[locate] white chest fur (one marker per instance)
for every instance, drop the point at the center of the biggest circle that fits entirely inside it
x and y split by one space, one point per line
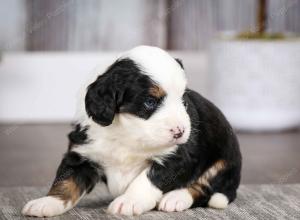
120 165
118 179
122 158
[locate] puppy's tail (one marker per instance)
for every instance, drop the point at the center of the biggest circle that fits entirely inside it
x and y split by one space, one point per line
218 201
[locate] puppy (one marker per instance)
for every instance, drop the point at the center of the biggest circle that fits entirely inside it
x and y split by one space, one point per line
150 139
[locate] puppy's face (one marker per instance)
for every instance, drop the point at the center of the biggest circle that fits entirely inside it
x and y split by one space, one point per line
142 93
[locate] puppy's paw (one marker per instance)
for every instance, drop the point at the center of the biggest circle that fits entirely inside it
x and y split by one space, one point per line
130 205
45 207
176 201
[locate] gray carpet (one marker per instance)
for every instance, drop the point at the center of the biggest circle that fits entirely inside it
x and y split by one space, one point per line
253 202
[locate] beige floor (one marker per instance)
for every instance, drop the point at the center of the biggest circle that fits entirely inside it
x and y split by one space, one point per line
30 154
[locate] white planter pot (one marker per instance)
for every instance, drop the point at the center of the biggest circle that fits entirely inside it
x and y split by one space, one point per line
256 83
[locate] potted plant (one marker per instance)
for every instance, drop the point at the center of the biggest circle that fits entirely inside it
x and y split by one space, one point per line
255 77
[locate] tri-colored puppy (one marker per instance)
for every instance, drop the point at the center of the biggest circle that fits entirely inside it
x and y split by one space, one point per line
153 141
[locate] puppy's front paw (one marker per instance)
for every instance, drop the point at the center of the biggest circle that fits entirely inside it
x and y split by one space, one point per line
175 201
45 207
130 205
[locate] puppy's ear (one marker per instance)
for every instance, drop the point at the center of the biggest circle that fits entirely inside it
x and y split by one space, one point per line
101 99
179 61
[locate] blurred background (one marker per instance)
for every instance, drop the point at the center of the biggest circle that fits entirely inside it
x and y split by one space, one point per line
242 54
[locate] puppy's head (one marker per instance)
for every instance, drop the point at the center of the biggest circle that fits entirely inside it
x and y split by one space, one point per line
142 93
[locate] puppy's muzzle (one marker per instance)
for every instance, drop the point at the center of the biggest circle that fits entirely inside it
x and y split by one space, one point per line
177 133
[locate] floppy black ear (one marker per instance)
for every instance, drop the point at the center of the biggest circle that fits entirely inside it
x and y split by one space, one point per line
179 61
100 100
105 96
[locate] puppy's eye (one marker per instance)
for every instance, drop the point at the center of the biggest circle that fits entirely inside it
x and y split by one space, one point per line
150 103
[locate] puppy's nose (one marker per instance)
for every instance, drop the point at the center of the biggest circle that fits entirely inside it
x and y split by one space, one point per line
177 133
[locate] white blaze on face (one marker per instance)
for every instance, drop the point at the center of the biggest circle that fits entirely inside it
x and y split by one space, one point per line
164 70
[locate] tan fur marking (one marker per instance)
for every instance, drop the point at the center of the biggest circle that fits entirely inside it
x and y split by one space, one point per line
195 193
196 188
157 91
66 190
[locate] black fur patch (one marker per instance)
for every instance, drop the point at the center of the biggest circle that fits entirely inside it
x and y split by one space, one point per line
179 61
83 172
122 88
211 139
78 136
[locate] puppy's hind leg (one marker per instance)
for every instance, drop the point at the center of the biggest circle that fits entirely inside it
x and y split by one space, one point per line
75 177
217 186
